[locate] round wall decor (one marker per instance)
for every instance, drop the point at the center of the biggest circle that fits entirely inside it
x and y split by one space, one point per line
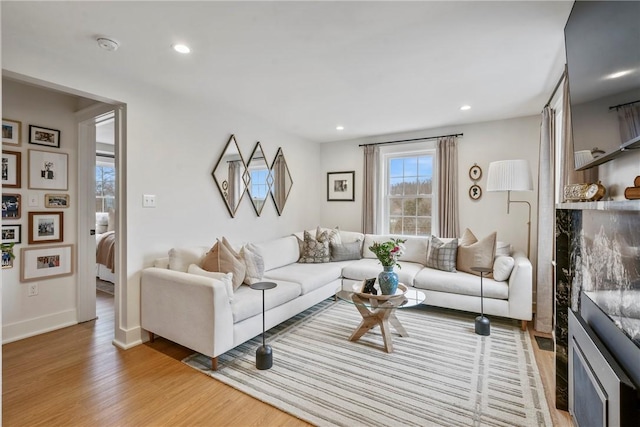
475 173
475 192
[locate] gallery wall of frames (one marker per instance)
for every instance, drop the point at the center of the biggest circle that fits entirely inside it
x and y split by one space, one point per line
44 166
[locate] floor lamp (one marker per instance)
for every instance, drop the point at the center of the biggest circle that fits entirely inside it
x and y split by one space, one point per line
512 175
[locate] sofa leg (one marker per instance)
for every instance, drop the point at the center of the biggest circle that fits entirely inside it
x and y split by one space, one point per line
214 363
523 325
152 337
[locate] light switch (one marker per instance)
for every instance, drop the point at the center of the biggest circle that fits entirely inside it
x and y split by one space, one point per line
149 201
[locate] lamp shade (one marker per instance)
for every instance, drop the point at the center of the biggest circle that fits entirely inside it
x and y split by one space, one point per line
509 175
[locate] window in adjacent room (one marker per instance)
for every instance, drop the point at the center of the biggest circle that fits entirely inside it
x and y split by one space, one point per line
105 184
409 190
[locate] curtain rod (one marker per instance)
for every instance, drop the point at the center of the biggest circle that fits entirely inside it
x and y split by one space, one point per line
410 140
556 88
624 105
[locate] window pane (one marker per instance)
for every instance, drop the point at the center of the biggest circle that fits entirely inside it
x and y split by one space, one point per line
395 168
425 166
410 166
395 206
423 226
395 225
396 186
424 207
409 207
409 225
425 186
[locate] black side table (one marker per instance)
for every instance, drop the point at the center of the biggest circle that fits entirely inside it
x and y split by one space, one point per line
483 325
264 354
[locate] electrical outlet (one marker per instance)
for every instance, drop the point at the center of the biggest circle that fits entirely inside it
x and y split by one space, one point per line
32 290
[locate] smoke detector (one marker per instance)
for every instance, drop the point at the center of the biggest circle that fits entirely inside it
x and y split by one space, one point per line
108 44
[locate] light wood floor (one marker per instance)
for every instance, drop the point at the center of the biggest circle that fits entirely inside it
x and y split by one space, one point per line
76 377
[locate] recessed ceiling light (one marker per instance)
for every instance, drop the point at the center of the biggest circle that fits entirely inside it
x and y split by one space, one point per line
465 107
618 74
339 127
181 48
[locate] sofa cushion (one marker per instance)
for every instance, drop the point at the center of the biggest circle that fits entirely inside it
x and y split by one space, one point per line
309 276
351 236
345 251
226 278
224 259
279 252
502 268
247 302
333 235
415 248
476 253
503 249
368 268
253 262
442 256
181 258
460 283
315 251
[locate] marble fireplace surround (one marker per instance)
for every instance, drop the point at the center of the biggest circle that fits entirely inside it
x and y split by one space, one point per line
597 251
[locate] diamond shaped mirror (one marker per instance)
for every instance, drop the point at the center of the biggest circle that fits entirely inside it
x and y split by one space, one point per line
259 183
230 175
282 182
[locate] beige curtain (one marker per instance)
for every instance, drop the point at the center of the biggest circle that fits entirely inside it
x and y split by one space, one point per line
629 121
448 212
370 186
546 223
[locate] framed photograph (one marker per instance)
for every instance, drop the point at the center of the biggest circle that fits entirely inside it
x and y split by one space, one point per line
46 262
44 136
11 169
340 186
475 172
47 170
11 233
7 255
46 227
475 192
11 206
11 132
56 200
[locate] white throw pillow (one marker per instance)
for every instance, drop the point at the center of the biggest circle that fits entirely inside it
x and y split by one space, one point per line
502 268
503 249
111 220
226 278
180 258
254 263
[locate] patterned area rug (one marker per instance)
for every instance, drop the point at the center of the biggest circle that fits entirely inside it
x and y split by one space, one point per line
443 374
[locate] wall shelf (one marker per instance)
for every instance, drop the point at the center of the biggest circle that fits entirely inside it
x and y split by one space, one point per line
608 205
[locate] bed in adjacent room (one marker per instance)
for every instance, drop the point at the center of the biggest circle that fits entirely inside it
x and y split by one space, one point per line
105 246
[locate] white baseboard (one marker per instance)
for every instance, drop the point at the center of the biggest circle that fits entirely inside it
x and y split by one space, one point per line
38 325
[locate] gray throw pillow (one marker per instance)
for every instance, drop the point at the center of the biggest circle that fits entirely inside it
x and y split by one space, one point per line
345 251
442 256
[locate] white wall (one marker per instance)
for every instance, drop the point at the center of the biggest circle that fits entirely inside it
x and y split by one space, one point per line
619 174
482 143
55 304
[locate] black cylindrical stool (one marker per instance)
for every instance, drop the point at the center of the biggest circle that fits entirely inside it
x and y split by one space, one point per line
264 354
483 325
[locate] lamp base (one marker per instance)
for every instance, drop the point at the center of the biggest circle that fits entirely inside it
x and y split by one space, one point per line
483 326
264 357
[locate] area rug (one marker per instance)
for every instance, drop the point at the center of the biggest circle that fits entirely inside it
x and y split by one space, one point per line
443 374
104 286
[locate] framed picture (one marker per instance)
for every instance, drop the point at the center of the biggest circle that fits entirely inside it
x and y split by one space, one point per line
11 233
340 186
46 262
11 132
47 170
475 172
475 192
11 206
7 255
56 200
46 227
11 169
44 136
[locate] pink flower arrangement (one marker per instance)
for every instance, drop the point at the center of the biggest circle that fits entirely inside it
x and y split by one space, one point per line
388 252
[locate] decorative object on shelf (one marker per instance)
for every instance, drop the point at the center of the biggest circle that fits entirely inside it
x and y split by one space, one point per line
584 192
230 175
11 233
56 200
46 262
46 227
47 170
483 324
475 192
282 182
11 169
44 136
633 193
11 206
11 132
7 253
260 180
264 353
340 186
512 175
475 172
388 254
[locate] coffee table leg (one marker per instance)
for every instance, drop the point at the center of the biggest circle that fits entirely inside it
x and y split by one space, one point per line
397 325
369 321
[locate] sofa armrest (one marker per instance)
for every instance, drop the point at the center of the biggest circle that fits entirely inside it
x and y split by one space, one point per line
193 311
521 288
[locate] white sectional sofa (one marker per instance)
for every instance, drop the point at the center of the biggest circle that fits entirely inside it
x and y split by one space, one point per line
203 314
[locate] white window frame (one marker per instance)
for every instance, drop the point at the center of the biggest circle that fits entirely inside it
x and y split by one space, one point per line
404 150
105 160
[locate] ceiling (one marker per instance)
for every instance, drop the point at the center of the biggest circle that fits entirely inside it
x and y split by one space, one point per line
305 67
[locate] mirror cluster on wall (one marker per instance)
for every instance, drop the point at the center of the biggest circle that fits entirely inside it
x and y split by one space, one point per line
257 178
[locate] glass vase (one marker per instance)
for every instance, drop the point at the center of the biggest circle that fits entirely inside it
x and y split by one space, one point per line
388 281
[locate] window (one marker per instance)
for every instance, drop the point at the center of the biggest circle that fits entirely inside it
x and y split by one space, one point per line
105 186
408 193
